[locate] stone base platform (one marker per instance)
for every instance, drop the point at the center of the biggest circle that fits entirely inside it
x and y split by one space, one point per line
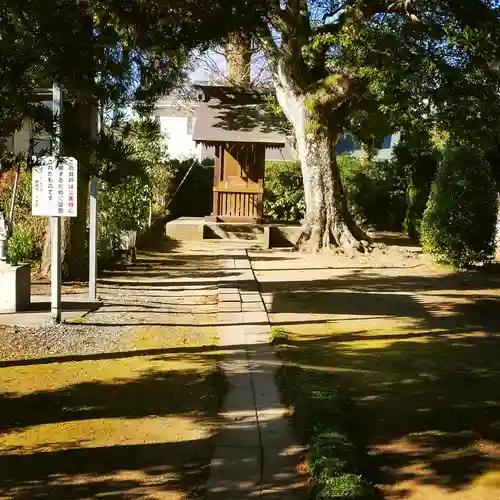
238 234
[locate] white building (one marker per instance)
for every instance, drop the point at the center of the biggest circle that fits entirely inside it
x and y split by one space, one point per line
177 122
176 115
19 142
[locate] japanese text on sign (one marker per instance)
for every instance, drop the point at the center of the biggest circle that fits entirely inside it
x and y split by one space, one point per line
55 187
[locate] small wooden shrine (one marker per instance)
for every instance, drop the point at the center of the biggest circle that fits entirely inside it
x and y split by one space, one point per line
235 123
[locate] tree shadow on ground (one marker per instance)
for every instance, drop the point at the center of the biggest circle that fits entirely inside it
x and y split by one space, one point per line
123 466
65 469
420 360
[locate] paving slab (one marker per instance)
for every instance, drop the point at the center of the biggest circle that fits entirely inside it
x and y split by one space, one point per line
235 474
281 478
252 457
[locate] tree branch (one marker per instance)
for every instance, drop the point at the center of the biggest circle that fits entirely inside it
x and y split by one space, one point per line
267 43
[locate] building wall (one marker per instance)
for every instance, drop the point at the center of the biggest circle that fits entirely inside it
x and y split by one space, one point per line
349 145
180 144
20 141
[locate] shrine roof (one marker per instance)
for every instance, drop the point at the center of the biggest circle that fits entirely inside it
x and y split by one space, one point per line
231 114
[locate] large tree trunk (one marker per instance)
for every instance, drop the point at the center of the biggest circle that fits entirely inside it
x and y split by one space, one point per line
77 131
328 222
239 57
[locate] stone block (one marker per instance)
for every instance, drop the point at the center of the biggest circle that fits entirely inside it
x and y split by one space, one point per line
253 307
15 288
227 307
284 235
185 229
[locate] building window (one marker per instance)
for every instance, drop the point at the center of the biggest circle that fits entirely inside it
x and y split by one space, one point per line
190 125
387 142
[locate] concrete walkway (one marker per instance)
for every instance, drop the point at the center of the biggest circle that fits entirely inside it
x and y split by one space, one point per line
192 293
256 454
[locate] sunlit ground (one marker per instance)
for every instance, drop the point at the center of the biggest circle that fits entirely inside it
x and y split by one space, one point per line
128 425
417 350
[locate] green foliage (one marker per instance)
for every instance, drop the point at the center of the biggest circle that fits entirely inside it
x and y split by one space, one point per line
284 192
122 207
194 198
278 335
417 156
375 192
21 248
125 207
458 227
26 226
321 417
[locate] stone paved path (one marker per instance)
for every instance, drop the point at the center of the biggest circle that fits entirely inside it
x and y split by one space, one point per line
256 455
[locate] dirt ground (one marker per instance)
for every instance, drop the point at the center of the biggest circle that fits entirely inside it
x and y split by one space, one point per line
417 349
123 403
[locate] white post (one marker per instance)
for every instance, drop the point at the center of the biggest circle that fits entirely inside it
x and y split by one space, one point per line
93 240
55 222
93 222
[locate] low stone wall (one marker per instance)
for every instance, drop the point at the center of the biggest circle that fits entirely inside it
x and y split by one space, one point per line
15 288
254 235
283 236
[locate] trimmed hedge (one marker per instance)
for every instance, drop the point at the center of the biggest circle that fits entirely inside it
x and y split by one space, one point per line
375 192
458 226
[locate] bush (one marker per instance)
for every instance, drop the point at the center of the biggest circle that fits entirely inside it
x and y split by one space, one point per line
418 158
284 192
122 207
322 418
26 226
375 192
21 248
194 198
458 226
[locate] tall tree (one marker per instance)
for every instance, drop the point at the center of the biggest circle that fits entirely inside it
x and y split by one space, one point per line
239 59
336 61
365 65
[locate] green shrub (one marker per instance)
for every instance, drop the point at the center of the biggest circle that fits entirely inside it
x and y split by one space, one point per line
194 198
25 224
320 415
284 192
122 207
458 226
418 157
375 192
21 248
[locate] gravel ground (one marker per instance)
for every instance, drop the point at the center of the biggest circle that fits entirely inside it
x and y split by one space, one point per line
55 340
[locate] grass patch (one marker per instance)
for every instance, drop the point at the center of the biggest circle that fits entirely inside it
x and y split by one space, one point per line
320 416
278 335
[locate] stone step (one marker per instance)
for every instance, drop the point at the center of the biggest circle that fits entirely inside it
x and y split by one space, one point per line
248 235
236 244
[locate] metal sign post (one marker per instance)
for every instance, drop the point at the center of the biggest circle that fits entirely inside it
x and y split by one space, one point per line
93 240
55 222
93 223
54 195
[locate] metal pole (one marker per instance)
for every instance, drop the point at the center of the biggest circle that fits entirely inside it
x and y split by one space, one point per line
14 193
93 240
55 222
93 223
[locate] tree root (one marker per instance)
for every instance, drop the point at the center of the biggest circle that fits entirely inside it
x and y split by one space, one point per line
349 239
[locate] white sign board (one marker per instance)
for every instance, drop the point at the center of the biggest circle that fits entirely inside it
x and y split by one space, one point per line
54 187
